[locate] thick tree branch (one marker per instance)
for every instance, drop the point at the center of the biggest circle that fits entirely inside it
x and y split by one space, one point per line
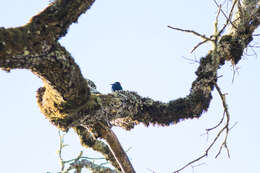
55 20
34 47
43 29
65 98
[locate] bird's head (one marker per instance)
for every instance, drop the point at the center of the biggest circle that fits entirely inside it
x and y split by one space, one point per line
116 83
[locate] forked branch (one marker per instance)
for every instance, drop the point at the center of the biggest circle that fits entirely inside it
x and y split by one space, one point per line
225 129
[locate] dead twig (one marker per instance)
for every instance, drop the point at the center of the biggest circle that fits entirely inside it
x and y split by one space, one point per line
216 126
226 129
198 45
193 61
228 18
191 31
59 151
205 39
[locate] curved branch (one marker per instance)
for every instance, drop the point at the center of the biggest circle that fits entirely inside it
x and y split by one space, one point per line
34 46
65 98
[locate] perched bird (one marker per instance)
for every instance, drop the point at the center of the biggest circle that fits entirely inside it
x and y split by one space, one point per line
116 86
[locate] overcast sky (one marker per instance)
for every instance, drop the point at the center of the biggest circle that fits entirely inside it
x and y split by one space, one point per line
128 41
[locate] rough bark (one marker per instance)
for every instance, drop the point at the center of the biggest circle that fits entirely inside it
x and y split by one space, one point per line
65 98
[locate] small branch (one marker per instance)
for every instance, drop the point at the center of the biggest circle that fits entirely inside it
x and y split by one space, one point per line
225 128
87 140
117 150
199 44
191 60
216 21
205 39
233 126
79 162
216 36
216 126
61 146
191 31
190 163
228 18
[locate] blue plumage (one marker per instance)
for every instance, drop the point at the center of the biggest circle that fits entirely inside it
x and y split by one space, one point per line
116 86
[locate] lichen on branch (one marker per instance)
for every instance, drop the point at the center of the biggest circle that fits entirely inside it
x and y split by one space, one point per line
67 100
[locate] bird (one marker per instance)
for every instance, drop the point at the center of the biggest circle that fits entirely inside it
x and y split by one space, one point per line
116 86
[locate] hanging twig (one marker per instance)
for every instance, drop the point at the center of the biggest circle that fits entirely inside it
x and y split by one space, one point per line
225 129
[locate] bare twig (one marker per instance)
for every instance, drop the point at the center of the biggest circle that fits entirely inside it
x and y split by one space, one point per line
61 146
216 33
191 31
205 39
199 44
79 162
216 126
225 129
191 60
228 18
252 48
233 125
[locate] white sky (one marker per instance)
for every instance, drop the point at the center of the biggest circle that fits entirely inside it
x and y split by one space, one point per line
128 41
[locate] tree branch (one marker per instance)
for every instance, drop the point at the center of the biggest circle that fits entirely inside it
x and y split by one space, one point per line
88 140
220 132
116 148
34 46
65 98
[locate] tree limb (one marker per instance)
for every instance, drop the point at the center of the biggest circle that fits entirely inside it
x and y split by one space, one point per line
65 98
88 140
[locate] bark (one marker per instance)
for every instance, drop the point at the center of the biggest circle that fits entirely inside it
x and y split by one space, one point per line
65 98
